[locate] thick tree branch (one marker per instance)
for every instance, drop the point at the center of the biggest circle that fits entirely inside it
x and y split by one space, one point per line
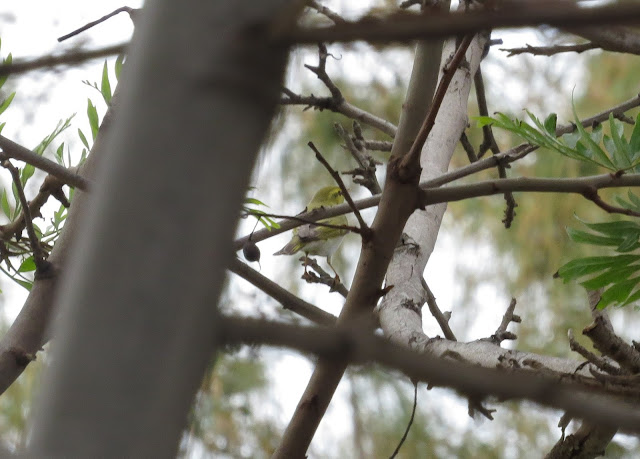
584 399
408 26
617 39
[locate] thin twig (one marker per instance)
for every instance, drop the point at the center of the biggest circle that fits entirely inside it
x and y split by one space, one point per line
16 151
329 13
441 318
366 169
592 358
489 143
501 333
592 195
70 58
323 277
39 258
129 10
409 424
550 50
287 299
336 102
303 220
364 228
468 148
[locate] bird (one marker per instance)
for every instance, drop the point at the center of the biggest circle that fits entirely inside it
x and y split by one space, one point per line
314 239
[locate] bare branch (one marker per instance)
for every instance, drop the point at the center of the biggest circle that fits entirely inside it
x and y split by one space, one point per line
336 102
569 394
550 50
364 228
132 12
328 12
16 151
287 299
67 59
442 319
405 26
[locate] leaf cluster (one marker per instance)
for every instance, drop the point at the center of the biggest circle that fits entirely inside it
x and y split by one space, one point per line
613 152
615 274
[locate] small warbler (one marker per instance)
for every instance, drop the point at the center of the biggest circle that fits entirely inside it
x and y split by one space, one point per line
319 240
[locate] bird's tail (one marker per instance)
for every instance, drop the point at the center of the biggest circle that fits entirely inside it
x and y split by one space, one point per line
289 249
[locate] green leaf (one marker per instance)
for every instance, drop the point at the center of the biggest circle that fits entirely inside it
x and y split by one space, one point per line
630 242
118 66
593 239
484 121
26 173
634 199
16 198
611 276
634 140
619 228
60 127
633 298
26 284
620 154
105 87
589 265
59 154
27 265
92 113
83 139
4 201
5 103
592 149
254 201
6 60
550 124
618 293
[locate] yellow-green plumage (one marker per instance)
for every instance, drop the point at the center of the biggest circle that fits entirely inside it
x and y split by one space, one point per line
319 240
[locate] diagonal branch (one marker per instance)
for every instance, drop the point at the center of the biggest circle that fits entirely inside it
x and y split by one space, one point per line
68 176
287 299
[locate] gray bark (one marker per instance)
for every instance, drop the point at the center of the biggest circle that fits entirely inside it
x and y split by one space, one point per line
138 317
